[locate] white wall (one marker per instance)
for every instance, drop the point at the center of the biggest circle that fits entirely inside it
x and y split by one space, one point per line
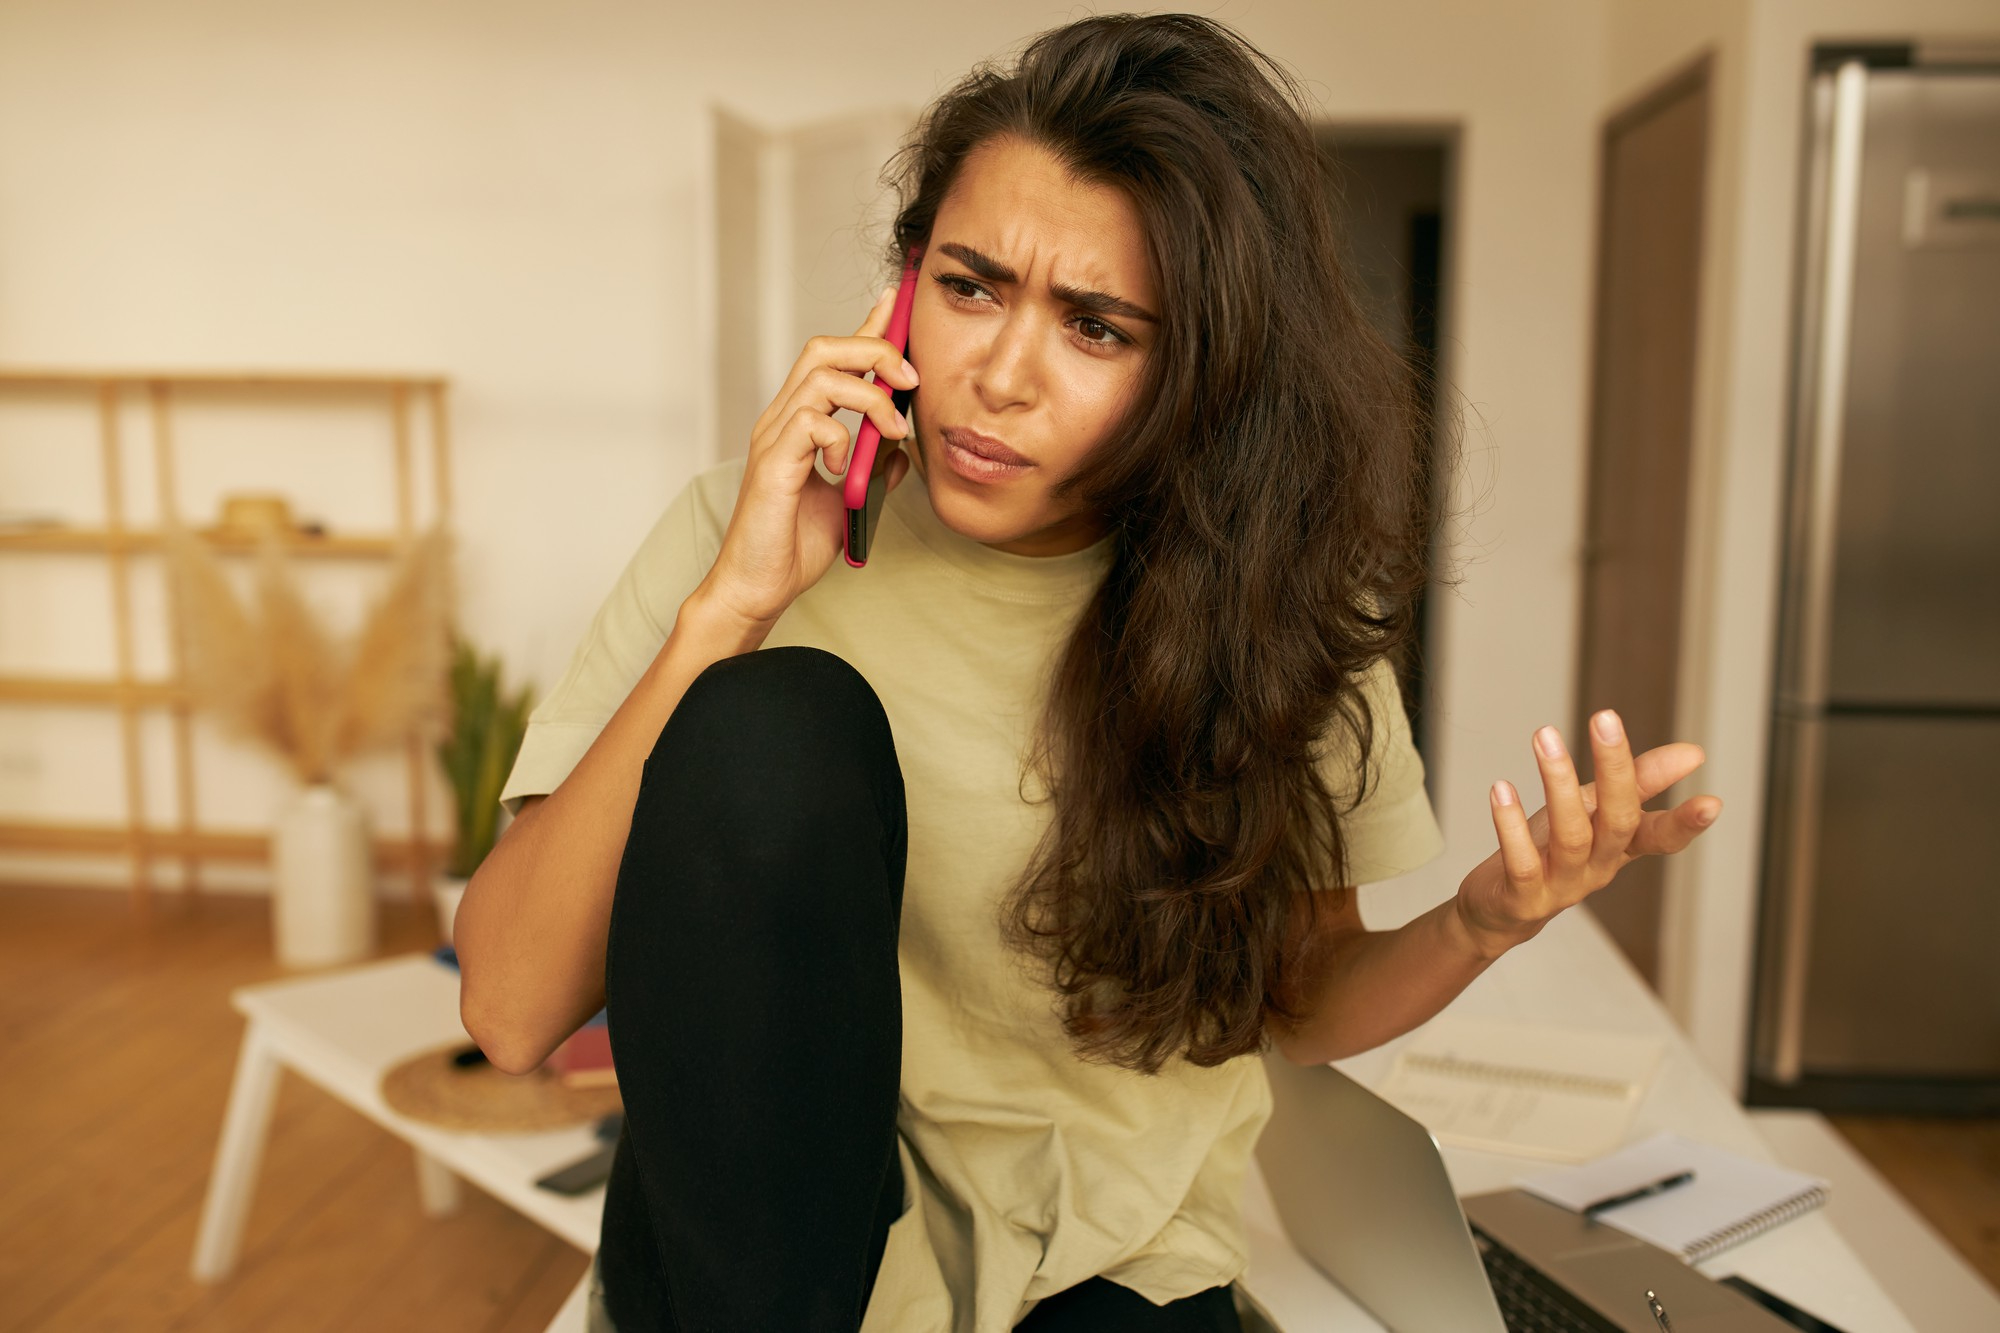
504 193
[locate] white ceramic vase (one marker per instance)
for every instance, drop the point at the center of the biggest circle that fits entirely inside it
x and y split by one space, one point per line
323 899
447 891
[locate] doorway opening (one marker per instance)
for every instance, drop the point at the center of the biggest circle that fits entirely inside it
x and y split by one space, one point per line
1390 189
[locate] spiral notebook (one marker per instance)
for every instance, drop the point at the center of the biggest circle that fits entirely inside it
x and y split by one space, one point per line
1730 1199
1523 1089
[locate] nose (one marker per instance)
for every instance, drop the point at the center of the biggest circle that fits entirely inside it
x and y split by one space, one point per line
1012 368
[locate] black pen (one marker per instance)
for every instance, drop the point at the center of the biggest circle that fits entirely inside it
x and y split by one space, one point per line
1660 1186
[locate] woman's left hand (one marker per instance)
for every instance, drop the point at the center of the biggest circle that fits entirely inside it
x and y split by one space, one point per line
1584 835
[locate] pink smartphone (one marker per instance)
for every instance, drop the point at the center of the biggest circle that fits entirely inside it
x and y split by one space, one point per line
863 490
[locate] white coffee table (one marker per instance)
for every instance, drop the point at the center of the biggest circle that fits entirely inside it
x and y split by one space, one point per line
342 1031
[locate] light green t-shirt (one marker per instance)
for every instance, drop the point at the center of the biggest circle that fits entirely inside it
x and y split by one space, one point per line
1026 1169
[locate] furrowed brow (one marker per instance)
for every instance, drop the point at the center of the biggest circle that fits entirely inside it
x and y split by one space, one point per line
1084 298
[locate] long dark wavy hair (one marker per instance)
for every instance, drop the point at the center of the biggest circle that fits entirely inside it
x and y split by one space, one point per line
1269 495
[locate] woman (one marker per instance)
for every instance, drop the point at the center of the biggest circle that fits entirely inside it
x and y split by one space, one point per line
939 937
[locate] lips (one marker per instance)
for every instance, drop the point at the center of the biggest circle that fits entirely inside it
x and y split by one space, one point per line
985 446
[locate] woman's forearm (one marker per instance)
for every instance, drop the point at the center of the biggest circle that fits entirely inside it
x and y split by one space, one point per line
531 931
1376 985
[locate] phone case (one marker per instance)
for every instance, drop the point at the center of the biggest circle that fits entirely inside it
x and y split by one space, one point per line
862 491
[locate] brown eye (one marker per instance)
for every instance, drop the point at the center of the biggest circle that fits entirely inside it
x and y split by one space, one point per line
950 282
1111 341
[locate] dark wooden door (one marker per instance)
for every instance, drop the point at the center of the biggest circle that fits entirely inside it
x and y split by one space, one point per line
1642 419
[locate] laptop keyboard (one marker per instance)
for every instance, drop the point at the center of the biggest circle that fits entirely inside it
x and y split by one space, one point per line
1530 1302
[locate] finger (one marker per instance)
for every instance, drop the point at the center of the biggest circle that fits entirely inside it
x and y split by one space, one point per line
1519 856
878 314
1664 832
1656 770
855 356
1662 766
806 432
1569 823
1617 815
824 392
824 350
813 433
890 364
827 390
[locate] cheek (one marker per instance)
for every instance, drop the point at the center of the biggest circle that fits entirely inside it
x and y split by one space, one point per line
1087 407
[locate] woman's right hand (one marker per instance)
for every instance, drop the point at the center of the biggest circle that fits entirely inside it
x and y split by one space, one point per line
786 529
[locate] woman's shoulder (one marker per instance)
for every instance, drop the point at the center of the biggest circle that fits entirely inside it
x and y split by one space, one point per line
691 524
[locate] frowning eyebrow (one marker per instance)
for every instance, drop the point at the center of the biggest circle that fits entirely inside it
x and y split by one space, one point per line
1097 303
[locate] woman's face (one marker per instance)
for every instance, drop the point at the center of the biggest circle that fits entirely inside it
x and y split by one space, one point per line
1035 311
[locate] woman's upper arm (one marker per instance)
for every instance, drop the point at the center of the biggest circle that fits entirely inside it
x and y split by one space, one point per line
1328 917
1392 830
1325 920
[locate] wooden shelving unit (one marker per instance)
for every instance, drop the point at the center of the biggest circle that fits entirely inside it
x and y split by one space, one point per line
402 397
85 540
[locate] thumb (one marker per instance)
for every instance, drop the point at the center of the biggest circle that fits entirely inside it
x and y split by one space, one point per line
899 467
877 322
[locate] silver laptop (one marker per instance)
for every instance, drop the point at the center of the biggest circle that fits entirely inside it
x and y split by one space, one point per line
1363 1194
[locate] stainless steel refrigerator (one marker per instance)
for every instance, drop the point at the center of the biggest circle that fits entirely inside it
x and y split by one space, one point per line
1879 953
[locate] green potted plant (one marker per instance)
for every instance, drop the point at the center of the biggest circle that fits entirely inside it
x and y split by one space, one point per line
477 753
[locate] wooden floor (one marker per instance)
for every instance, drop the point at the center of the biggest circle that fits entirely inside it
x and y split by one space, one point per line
1949 1170
121 1037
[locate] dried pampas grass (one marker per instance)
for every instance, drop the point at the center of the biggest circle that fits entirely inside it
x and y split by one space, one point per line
398 675
275 675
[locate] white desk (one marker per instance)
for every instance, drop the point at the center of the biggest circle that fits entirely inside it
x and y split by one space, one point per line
343 1031
1571 975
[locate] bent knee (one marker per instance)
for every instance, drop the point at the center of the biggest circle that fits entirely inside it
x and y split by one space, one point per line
779 728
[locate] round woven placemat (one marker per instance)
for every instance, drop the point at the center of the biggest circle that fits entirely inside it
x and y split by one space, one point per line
430 1088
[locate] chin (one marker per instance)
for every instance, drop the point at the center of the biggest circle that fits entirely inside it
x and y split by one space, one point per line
971 514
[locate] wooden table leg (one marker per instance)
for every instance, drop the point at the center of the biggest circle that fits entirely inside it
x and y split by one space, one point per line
437 1186
237 1157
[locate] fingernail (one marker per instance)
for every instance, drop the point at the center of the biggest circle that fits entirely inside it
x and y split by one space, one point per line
1607 727
1503 792
903 422
1550 742
1705 817
887 292
909 369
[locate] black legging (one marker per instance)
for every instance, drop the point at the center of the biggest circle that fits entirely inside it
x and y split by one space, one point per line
756 1019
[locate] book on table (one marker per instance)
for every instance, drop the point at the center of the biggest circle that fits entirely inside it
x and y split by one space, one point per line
1522 1089
584 1058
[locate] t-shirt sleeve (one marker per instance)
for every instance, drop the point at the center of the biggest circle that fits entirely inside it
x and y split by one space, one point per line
624 638
1393 830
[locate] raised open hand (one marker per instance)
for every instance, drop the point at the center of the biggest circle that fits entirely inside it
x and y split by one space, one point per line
1583 836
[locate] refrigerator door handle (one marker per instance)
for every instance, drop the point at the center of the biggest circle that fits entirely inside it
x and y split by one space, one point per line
1850 104
1805 769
